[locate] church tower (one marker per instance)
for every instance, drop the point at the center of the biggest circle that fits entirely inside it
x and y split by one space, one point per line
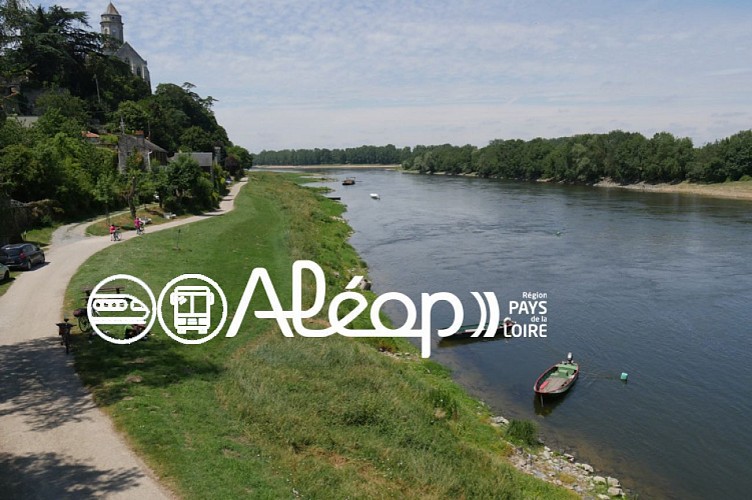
115 44
112 25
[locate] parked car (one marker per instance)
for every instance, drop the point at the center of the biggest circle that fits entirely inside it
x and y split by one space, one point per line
4 273
21 255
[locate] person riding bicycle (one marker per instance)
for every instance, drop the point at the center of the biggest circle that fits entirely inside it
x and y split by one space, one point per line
64 329
114 233
139 224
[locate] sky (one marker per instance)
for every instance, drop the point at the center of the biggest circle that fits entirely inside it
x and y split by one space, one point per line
292 74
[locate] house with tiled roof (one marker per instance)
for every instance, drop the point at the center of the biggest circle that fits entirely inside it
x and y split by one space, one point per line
91 137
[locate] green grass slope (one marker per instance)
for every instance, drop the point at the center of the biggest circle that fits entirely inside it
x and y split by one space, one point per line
261 415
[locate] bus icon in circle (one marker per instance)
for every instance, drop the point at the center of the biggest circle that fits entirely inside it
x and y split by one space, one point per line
192 308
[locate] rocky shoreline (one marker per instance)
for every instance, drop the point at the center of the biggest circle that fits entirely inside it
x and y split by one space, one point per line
563 469
560 469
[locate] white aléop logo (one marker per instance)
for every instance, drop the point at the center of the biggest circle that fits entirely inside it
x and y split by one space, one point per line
193 305
192 308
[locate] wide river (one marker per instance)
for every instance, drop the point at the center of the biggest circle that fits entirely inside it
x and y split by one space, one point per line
658 286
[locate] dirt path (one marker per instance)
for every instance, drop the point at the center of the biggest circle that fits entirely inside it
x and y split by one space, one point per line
54 442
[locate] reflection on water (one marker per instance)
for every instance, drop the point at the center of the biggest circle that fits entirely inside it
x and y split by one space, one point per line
545 405
450 343
629 278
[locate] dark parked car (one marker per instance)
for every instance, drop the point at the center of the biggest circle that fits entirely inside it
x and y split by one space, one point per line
21 255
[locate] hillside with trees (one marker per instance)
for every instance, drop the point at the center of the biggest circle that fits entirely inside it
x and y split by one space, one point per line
54 69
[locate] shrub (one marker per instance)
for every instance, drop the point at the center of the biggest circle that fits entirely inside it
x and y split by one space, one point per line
523 432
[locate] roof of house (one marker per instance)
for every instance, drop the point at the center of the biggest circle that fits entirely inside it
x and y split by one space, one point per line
127 50
153 147
128 142
203 159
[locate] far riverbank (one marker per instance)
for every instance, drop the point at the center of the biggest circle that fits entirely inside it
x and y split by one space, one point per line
324 167
740 190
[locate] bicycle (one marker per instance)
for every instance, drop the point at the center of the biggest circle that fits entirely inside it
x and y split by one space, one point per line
82 313
84 324
64 330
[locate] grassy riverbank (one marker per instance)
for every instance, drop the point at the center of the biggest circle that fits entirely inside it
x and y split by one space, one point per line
265 416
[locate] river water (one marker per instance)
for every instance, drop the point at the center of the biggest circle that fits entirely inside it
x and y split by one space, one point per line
658 286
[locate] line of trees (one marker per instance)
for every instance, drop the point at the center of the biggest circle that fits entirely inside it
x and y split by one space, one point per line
624 157
363 155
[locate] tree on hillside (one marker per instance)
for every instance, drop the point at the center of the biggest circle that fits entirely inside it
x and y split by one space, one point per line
238 160
174 117
51 46
111 82
132 181
196 139
106 191
61 112
133 115
182 185
19 170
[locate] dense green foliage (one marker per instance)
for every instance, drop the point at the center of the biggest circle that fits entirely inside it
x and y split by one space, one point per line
623 157
175 117
53 67
363 155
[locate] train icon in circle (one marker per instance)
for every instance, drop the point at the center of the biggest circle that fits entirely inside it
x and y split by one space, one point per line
192 308
134 310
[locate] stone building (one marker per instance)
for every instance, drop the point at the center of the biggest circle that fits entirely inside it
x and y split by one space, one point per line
112 26
130 144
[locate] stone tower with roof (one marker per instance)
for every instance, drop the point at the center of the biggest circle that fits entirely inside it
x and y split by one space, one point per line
112 26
